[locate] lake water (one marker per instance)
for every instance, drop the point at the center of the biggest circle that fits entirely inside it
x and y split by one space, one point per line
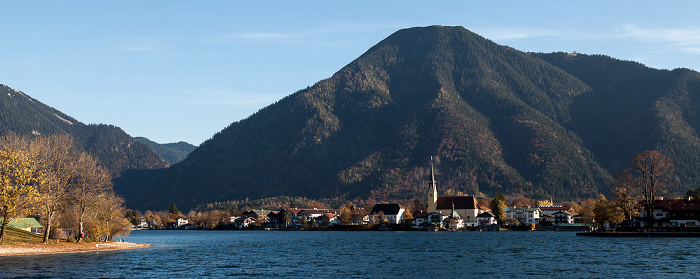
368 254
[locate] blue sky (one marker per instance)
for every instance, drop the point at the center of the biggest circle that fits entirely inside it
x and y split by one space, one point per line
184 70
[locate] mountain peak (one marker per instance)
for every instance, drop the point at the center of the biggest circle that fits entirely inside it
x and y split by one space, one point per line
494 118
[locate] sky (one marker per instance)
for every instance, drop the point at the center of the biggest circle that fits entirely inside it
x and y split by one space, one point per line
183 70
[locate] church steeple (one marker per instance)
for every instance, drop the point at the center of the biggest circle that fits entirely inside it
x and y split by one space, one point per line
432 192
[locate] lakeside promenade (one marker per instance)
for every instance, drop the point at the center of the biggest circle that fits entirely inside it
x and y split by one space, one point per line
38 249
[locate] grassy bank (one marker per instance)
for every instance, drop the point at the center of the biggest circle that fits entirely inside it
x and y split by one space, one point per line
15 236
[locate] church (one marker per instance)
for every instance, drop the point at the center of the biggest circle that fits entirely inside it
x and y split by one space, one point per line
465 206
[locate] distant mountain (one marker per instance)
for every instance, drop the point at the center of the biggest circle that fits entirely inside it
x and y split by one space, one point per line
495 119
116 150
170 152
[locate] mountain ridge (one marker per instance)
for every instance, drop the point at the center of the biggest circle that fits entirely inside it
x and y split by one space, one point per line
170 152
115 150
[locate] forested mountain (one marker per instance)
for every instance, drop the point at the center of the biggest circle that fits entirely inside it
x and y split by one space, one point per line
170 152
495 119
116 150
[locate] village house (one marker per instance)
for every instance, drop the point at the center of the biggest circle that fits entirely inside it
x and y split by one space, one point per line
486 218
328 219
182 221
393 213
313 213
436 220
529 215
453 221
244 222
674 213
563 217
420 219
550 210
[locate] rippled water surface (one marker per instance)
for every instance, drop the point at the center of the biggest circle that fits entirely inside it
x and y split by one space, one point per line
304 254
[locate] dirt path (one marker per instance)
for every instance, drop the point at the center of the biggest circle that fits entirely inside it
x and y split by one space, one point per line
35 249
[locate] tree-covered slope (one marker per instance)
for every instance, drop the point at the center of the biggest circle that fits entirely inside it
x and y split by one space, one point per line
116 150
495 119
170 152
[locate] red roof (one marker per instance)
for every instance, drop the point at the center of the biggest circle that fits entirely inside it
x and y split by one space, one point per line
679 204
462 202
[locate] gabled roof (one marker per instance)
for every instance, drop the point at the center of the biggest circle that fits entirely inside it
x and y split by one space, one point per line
563 212
328 216
525 209
679 204
23 223
557 208
387 208
420 214
486 214
461 202
319 211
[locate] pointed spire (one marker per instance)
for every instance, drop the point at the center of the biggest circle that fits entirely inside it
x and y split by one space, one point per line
432 173
432 194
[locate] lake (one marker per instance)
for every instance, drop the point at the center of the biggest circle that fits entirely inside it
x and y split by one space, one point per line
366 254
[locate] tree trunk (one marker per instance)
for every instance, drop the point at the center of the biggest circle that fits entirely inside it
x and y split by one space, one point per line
4 226
47 230
80 230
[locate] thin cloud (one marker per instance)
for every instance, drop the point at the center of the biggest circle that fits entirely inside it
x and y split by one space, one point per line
679 36
508 34
694 50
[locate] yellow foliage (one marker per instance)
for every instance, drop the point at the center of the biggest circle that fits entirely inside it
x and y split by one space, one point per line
17 178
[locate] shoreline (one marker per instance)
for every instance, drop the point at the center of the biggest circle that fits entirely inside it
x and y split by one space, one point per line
63 248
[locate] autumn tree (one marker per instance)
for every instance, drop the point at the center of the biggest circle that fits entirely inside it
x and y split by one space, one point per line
540 203
17 191
625 193
497 205
407 217
108 214
345 216
606 212
90 182
55 156
18 178
586 210
652 174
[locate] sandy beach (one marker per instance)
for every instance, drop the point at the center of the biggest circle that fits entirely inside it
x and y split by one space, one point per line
36 249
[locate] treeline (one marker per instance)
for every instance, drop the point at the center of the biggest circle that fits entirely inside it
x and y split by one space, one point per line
66 188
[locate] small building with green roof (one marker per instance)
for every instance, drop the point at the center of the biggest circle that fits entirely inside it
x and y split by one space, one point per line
25 224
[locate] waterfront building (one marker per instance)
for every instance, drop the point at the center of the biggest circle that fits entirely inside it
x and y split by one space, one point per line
529 215
393 212
673 213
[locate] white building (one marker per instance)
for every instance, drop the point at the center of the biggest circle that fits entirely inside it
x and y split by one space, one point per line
393 212
530 215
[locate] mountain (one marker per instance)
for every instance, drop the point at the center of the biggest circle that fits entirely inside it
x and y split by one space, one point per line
115 149
494 118
170 152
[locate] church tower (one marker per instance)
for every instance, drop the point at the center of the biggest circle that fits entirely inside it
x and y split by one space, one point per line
432 192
